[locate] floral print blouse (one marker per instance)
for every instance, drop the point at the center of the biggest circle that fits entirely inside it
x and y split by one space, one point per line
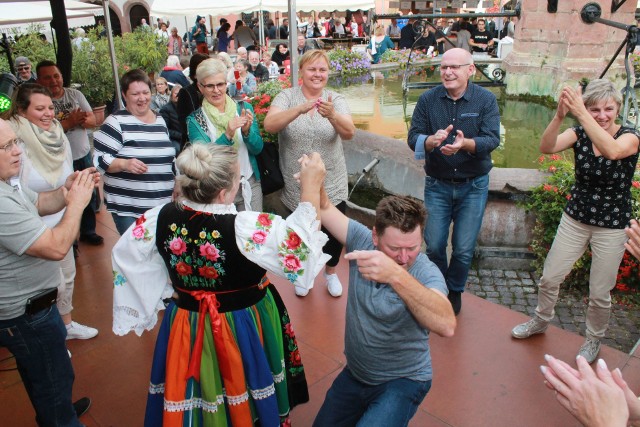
601 195
195 247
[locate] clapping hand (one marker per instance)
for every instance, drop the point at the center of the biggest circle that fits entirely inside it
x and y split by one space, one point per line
248 117
451 149
325 108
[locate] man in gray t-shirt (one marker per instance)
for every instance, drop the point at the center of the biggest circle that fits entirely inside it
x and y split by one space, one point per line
76 116
396 297
30 325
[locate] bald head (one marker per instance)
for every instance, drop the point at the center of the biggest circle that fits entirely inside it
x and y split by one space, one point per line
9 157
458 54
456 68
5 130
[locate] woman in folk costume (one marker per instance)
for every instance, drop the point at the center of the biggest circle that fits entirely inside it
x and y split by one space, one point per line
226 354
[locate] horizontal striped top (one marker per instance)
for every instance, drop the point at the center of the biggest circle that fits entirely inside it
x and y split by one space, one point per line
123 136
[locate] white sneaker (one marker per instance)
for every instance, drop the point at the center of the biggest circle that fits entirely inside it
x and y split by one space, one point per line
333 285
301 292
80 332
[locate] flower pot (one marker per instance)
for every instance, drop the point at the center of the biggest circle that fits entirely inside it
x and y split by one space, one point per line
98 112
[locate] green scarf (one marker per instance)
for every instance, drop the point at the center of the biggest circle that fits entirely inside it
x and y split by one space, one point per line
220 120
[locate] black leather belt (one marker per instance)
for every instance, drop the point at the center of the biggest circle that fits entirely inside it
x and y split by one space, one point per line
456 180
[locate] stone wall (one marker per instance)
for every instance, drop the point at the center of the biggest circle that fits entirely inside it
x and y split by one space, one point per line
555 49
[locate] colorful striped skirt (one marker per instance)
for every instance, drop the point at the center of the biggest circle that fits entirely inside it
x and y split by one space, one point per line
267 376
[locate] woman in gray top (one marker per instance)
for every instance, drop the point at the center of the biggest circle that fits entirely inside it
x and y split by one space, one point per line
311 118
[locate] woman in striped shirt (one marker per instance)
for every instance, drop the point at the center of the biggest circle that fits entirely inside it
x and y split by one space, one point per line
135 155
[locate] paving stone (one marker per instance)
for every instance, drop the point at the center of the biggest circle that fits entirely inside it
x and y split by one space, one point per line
497 273
492 295
473 280
484 273
486 280
519 308
510 274
473 273
521 301
514 282
528 282
493 299
500 281
529 289
524 274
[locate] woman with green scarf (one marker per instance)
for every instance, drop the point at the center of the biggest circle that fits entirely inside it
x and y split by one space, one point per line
223 121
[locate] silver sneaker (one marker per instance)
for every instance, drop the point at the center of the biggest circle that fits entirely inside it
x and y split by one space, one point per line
534 326
590 350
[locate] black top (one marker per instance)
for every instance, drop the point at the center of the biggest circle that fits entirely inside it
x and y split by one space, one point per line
189 100
407 37
601 195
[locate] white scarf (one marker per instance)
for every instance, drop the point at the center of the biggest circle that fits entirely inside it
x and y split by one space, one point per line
45 149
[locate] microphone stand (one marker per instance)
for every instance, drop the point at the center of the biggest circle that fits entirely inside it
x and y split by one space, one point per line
591 13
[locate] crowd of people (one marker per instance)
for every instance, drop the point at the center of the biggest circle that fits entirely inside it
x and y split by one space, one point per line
181 181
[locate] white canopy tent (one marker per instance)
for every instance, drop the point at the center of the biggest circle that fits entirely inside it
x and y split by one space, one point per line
14 12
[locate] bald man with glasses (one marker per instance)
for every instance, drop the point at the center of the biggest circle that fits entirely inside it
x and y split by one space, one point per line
455 127
30 325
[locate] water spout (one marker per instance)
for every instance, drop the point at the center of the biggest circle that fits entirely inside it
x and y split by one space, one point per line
365 170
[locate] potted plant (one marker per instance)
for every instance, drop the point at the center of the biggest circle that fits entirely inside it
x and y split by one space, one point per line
92 72
142 49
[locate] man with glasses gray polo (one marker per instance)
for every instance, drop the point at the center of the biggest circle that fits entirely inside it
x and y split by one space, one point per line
30 325
455 127
24 72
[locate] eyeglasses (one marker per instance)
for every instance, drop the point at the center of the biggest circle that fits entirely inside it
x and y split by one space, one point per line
222 86
451 67
23 67
450 22
12 144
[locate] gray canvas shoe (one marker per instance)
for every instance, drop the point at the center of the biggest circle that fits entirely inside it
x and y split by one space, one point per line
590 350
534 326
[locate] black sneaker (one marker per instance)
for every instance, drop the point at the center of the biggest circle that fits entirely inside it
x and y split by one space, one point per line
455 298
92 239
81 406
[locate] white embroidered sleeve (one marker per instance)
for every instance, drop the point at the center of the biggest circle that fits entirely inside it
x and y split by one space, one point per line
290 248
140 278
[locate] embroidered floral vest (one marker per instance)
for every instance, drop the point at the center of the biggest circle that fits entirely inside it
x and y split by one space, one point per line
199 250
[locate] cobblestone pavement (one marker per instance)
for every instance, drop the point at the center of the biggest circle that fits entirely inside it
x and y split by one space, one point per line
518 291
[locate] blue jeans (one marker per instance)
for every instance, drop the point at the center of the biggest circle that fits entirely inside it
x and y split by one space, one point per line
38 343
122 222
352 403
462 203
